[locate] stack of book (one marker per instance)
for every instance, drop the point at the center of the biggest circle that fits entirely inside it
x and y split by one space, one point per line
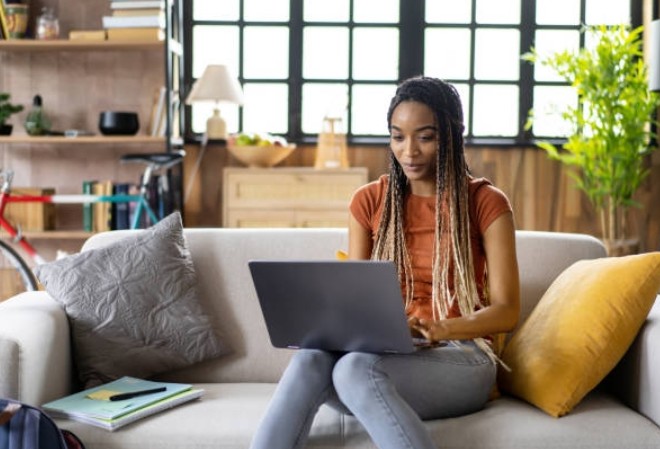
121 402
135 20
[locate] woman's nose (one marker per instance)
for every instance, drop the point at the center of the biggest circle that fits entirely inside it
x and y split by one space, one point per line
410 147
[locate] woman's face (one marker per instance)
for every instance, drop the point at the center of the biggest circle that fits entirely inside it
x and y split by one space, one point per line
414 142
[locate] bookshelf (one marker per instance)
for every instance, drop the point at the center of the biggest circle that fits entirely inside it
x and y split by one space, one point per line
32 45
77 80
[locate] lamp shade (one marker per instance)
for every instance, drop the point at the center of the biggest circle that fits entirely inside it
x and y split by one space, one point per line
217 85
654 56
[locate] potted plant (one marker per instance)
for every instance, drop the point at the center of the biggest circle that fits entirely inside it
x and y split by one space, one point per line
6 110
611 134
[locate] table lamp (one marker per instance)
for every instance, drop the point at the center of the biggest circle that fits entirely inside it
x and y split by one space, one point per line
654 56
216 85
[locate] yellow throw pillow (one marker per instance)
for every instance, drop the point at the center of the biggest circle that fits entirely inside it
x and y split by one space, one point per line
579 330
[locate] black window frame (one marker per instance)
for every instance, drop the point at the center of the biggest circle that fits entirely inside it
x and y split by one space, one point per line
412 27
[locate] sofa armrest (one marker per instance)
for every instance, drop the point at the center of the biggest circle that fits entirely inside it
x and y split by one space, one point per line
34 349
636 379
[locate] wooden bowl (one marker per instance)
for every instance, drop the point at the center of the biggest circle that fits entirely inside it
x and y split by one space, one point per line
261 156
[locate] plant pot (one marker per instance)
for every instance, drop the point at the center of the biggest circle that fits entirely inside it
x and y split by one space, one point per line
621 247
5 130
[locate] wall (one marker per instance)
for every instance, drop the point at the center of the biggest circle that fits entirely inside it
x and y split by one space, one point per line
77 86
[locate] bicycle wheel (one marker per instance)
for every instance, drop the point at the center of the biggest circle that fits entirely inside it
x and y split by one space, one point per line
15 274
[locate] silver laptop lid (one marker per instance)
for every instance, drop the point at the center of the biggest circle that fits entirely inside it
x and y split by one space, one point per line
332 305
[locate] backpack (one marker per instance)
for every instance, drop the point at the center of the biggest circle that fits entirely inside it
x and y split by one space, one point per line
25 427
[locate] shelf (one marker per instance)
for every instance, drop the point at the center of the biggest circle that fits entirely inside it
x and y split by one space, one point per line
24 45
108 140
53 235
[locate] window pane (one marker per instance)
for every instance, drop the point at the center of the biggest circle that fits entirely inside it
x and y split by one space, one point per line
266 108
464 92
549 103
216 10
498 11
321 100
202 111
266 10
548 42
376 11
325 11
497 54
369 104
558 12
266 52
447 53
607 12
495 110
325 52
206 48
448 11
375 65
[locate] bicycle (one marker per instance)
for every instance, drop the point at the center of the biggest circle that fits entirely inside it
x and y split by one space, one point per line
155 162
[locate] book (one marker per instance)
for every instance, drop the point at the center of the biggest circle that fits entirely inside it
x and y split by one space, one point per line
120 213
87 35
139 12
136 34
88 208
133 21
138 4
158 116
4 26
96 407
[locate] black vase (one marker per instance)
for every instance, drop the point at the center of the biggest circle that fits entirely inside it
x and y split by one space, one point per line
5 130
112 123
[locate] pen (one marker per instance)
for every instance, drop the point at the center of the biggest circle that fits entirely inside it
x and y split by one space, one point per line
132 394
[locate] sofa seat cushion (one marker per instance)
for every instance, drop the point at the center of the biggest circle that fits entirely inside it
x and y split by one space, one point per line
228 414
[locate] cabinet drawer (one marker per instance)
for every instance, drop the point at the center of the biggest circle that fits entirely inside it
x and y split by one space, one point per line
289 197
291 188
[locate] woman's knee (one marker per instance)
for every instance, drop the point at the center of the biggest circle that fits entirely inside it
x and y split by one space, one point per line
352 371
310 361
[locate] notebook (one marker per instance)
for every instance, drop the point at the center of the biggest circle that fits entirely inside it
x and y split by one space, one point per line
332 305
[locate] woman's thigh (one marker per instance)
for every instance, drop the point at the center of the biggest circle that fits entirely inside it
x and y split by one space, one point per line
437 383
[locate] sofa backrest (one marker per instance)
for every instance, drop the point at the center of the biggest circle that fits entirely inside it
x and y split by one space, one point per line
220 256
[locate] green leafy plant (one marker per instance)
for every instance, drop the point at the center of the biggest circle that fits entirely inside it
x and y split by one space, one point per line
611 123
6 108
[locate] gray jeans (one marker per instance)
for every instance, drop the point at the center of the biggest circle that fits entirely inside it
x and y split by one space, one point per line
390 394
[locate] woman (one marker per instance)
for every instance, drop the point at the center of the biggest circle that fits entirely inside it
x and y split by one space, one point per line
452 238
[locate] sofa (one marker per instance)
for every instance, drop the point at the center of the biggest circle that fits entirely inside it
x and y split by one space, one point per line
37 364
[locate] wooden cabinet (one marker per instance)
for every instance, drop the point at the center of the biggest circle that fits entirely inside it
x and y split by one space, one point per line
289 197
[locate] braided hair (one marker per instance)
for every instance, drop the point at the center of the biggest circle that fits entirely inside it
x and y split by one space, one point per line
452 252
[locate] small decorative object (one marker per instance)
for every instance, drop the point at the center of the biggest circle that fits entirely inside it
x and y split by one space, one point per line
36 122
113 123
259 150
331 150
17 19
216 85
6 110
48 26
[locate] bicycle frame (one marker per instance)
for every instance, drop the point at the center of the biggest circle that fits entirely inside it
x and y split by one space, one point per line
15 233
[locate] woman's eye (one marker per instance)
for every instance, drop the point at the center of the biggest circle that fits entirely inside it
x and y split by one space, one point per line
396 137
427 138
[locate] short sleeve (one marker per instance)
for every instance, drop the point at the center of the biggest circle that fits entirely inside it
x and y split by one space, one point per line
489 203
366 203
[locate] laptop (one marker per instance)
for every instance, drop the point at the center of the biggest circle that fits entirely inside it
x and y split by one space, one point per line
332 305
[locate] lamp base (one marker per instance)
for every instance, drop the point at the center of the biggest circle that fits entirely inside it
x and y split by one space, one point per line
216 128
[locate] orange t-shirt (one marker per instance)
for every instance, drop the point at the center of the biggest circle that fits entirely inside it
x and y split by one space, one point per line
486 203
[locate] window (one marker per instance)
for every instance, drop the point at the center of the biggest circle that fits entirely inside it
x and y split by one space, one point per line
301 60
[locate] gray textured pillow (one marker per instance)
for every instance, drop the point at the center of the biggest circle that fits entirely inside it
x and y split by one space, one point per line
133 305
